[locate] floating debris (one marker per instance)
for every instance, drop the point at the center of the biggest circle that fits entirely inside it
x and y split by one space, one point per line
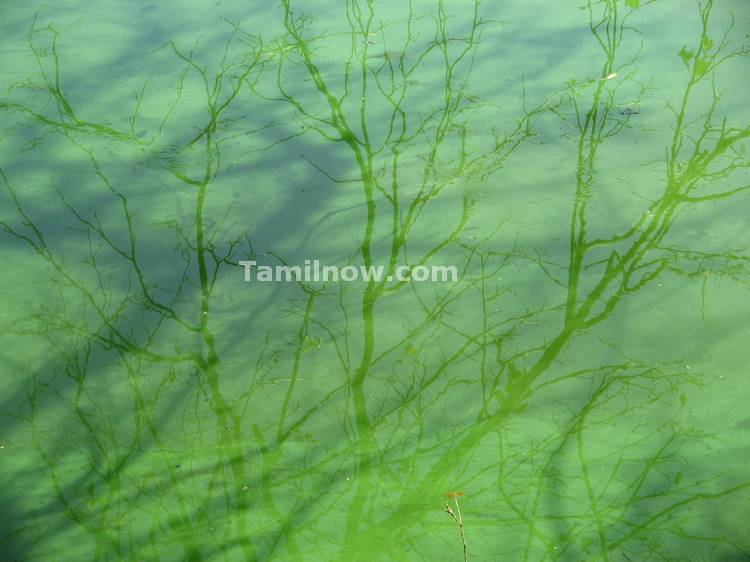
610 76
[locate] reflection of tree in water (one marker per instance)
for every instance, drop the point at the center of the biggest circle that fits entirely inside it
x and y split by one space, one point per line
503 407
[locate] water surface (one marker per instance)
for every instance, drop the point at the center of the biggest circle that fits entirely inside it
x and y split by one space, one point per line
578 394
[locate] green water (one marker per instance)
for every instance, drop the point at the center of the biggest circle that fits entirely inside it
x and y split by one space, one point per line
582 384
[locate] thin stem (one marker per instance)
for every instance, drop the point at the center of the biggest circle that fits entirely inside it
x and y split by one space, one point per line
460 521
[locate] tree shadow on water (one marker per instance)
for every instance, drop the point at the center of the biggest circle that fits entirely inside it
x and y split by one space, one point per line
328 420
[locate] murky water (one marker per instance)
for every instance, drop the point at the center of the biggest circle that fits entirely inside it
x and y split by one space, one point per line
578 393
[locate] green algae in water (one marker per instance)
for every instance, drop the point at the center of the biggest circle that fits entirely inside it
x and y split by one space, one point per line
583 380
